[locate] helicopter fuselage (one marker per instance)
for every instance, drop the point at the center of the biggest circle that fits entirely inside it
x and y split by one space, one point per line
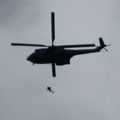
59 56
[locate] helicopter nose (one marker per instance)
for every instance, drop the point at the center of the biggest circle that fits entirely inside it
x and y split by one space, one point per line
30 58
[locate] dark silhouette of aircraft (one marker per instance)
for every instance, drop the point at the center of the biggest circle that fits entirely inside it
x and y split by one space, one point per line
58 55
50 89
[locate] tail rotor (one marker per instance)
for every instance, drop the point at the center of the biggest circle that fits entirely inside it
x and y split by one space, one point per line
103 45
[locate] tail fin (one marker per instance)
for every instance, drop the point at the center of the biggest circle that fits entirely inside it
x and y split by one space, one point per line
102 44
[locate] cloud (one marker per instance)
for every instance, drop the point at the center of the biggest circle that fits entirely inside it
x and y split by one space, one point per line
12 11
88 87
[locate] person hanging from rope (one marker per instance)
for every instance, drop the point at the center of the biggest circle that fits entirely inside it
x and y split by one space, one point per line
50 89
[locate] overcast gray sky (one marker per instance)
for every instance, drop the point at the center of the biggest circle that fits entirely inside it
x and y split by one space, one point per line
87 89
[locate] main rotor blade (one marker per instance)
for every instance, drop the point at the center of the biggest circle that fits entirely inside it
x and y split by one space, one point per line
53 26
79 45
53 70
26 44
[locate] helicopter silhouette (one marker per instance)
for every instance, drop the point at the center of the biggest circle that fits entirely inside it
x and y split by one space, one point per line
58 54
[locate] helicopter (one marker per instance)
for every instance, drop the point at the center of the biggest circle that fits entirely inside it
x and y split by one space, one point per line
59 54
